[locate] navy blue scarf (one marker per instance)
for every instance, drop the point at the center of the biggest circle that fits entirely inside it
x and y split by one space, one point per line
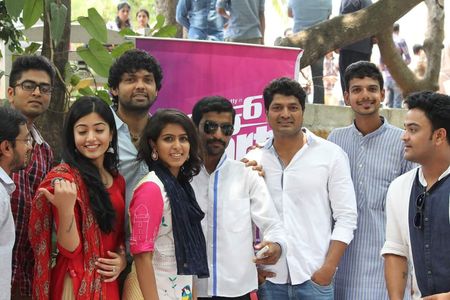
190 245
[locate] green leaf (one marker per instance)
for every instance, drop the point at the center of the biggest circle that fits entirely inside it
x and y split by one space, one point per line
32 48
68 73
160 19
127 31
94 25
2 73
86 92
166 31
32 11
104 95
47 4
58 14
121 48
74 79
96 57
14 7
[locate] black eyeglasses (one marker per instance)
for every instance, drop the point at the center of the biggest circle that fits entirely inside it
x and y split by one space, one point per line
211 127
420 203
30 86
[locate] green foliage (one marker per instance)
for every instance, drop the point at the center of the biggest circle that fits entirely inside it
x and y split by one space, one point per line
120 49
97 57
94 25
58 20
32 11
8 31
14 7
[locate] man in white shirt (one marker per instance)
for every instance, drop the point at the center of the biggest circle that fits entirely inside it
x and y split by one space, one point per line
418 204
310 183
233 197
15 152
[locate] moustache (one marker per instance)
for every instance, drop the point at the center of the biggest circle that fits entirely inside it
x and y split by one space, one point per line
213 140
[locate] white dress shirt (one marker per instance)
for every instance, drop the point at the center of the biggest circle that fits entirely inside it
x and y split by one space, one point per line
232 197
315 199
7 233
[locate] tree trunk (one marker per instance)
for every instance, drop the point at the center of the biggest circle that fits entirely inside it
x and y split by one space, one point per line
433 44
167 8
327 36
51 123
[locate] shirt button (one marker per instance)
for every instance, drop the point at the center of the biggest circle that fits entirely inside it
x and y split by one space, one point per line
426 219
429 272
360 165
360 182
427 246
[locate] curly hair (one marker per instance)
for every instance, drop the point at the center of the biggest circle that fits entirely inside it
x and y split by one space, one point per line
132 61
286 87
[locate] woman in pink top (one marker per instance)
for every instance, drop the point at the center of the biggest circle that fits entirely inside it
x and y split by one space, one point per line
167 241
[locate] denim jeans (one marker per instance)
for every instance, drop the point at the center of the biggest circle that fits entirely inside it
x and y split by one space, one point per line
308 290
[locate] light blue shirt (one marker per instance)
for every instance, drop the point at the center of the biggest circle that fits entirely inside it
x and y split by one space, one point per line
201 19
376 159
129 167
7 233
245 18
307 13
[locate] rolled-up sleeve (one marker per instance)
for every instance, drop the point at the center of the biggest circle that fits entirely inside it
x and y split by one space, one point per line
146 210
395 243
181 14
342 199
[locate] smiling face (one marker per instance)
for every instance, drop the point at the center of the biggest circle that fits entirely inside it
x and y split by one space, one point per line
364 96
285 116
92 137
136 91
172 147
31 103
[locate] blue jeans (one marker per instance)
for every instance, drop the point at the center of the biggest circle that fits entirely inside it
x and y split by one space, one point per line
308 290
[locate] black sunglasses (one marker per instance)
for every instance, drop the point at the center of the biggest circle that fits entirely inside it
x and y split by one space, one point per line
420 203
211 127
30 86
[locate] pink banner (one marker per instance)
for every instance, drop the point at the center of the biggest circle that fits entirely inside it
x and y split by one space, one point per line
195 69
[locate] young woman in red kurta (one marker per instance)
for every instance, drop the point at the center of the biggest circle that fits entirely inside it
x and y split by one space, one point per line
83 201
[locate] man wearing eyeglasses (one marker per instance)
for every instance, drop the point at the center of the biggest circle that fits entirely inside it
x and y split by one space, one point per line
232 197
15 150
418 203
29 92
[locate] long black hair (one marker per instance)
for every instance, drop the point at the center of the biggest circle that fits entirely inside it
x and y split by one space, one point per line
98 195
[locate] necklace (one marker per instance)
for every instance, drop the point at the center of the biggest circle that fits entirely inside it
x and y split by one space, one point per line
134 138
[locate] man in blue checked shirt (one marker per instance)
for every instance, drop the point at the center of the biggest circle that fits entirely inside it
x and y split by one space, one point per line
375 152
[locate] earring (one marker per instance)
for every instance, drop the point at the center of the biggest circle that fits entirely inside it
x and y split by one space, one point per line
154 155
110 149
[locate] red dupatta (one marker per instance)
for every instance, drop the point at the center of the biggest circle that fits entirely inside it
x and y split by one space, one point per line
40 234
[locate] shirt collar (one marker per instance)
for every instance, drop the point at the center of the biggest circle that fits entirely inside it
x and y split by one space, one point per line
37 137
119 122
7 182
379 130
422 180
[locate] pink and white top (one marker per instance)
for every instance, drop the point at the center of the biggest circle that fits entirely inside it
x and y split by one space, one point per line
151 231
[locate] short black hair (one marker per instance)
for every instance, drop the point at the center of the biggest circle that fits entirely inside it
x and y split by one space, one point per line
361 69
152 131
30 62
396 27
286 87
10 122
417 48
217 104
436 107
132 61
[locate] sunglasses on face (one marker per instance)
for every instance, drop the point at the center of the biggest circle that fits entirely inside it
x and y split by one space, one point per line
420 203
30 86
211 127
